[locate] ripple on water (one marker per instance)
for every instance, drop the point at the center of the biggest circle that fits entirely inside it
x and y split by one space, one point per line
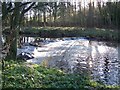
80 55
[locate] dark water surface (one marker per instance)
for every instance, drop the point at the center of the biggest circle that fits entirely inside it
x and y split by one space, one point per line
76 55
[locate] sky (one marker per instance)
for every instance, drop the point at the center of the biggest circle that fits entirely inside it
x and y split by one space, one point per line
95 1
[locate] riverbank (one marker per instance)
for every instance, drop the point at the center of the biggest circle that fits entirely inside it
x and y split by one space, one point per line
57 32
26 75
90 33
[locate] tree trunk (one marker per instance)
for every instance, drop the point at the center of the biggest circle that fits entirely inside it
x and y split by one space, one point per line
50 18
55 11
14 33
44 18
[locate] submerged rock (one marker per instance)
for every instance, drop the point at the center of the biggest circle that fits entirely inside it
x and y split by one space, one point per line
25 56
39 44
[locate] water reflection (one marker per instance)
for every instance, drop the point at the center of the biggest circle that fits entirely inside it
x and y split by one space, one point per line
119 64
77 55
105 64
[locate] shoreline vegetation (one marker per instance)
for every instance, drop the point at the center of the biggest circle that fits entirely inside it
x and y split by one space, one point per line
58 32
17 74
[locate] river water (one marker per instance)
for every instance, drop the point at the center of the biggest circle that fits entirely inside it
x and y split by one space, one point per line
76 55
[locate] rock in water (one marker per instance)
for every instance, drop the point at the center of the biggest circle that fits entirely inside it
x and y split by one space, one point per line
25 56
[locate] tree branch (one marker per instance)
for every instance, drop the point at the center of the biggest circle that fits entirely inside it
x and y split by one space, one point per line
25 10
22 4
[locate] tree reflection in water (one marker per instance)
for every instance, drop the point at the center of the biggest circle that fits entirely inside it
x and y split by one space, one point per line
106 69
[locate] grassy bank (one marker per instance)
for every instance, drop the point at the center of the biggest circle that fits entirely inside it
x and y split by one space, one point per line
95 33
24 75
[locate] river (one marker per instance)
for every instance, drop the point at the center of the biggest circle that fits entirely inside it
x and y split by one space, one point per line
76 55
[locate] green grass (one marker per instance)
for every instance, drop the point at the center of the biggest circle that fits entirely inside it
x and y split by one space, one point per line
96 33
24 75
